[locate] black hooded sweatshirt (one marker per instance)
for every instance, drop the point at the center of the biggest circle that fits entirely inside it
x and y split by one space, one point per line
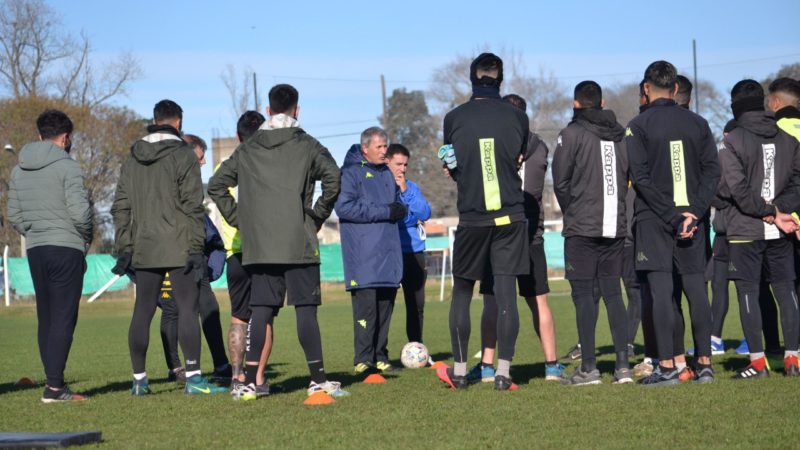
760 170
590 175
673 163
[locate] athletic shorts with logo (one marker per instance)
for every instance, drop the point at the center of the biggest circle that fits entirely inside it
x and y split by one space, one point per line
270 284
588 258
775 256
501 250
531 284
658 250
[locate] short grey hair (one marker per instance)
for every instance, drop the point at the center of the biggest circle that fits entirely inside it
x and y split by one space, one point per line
371 132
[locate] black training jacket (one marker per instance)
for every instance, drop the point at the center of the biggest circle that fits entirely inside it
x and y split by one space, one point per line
533 172
760 170
673 163
590 175
488 136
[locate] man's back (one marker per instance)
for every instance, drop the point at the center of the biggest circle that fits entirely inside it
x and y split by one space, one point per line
158 209
47 200
488 136
673 162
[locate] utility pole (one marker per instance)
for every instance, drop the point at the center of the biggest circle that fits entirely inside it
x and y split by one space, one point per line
383 97
696 86
255 91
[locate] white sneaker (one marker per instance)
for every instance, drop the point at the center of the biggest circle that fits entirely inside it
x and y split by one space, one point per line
332 388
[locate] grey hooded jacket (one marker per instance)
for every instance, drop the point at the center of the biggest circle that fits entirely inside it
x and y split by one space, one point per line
47 202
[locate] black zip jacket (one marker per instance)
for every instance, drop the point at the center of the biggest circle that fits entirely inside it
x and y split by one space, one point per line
590 175
533 172
673 163
760 170
488 136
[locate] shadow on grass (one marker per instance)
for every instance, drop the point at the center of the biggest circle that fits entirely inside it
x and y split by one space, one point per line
5 388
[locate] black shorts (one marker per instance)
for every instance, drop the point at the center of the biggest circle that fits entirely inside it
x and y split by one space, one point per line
775 256
238 288
271 282
587 258
658 250
531 284
502 250
629 276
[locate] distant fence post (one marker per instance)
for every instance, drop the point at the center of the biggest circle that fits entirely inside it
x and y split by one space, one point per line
5 277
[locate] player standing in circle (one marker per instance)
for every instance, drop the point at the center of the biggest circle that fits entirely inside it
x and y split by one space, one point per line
488 136
158 214
276 170
760 172
590 180
674 169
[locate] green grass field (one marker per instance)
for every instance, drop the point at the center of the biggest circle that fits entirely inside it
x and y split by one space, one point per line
414 409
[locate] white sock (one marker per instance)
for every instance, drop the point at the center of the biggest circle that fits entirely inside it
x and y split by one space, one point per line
503 367
460 369
192 373
140 376
755 356
680 366
716 340
789 353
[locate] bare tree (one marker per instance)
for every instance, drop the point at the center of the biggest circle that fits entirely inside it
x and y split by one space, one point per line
38 59
240 85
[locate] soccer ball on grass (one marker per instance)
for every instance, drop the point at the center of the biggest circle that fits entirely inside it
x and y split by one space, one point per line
414 355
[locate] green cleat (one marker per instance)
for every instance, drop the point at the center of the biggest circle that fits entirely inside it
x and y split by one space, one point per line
141 388
197 385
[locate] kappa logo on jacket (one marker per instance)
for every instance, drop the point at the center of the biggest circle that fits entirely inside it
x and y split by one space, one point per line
641 257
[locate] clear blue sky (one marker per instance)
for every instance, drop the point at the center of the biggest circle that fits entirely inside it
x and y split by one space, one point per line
335 52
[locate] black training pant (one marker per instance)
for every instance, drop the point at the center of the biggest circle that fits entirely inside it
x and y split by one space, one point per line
209 319
372 314
186 292
57 274
507 325
414 276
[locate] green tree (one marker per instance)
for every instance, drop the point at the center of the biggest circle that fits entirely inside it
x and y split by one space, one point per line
408 122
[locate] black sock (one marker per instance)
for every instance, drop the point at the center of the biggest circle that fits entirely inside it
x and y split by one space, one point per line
483 364
622 360
549 363
317 371
250 372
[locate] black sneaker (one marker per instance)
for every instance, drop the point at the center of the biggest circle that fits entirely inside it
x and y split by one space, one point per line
581 378
62 395
177 375
384 367
704 374
224 375
661 376
573 354
456 382
750 372
502 383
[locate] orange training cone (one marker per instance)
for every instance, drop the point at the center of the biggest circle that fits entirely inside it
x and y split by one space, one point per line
438 364
375 378
319 398
24 381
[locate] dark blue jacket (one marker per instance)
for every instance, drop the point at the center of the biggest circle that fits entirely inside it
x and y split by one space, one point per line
370 242
418 211
214 250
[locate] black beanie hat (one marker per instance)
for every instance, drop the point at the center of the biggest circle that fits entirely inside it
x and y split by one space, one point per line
486 81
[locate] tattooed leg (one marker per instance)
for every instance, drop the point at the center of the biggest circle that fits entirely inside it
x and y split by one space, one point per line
237 335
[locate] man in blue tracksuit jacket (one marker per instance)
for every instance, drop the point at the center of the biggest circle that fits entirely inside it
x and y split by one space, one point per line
368 208
412 241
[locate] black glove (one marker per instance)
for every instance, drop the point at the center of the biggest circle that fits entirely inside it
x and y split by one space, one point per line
123 263
397 211
196 264
317 221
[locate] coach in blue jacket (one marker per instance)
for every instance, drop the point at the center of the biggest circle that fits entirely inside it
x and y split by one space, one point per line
369 208
412 241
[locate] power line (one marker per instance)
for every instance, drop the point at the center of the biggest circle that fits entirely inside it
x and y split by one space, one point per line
638 72
357 133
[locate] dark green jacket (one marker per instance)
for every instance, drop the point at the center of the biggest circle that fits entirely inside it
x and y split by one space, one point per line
158 208
276 171
47 202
